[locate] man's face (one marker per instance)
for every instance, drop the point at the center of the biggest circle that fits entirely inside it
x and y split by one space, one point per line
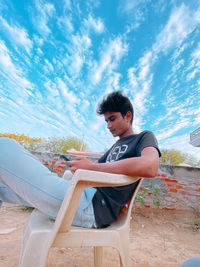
117 125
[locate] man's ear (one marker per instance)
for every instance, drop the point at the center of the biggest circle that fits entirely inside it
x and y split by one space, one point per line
128 116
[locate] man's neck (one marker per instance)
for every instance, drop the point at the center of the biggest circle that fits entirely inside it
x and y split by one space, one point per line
127 133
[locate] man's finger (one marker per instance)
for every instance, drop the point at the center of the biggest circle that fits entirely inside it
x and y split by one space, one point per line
68 163
79 158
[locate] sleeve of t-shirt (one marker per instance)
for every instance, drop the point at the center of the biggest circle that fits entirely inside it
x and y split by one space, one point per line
102 159
148 139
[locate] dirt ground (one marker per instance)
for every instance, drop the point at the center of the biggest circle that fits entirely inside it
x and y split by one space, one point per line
161 238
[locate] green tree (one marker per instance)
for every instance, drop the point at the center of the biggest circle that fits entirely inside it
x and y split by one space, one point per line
62 144
173 157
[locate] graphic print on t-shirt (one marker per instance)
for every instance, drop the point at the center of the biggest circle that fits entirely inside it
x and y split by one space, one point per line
116 153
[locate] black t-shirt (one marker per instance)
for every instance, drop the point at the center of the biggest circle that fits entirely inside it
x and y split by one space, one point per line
109 201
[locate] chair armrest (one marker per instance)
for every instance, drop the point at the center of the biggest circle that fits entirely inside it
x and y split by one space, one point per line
101 179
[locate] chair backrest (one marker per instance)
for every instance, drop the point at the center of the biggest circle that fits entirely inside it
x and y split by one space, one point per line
124 217
133 198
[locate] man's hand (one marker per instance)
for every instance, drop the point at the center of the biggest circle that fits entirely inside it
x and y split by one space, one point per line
80 163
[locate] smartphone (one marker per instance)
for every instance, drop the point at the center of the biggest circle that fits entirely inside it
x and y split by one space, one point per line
64 157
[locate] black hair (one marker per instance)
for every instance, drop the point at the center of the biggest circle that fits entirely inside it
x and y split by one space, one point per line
115 102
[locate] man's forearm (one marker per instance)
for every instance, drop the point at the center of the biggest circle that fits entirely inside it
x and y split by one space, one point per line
132 166
145 166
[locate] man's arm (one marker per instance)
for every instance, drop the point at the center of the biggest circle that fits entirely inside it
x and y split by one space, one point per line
145 166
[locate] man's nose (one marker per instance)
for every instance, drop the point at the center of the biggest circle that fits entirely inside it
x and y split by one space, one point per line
109 125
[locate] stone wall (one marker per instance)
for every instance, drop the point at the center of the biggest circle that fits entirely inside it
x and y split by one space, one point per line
175 187
178 187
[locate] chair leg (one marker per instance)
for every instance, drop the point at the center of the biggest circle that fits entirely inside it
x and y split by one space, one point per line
125 260
124 251
34 251
98 256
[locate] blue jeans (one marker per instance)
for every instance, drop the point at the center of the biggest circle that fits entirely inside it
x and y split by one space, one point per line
193 262
24 180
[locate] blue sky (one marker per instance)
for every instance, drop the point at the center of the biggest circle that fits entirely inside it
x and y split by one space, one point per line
58 58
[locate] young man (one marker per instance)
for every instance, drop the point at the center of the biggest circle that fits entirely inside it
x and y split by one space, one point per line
24 180
133 154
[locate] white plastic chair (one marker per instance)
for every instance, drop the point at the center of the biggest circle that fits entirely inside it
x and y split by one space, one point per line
42 233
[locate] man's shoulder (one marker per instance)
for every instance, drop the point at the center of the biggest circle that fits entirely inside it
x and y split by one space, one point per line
145 132
136 137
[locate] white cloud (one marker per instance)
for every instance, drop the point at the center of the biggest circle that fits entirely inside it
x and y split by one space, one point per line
3 113
177 66
5 60
144 64
96 126
137 122
167 132
44 12
192 74
78 54
69 97
65 23
38 40
67 4
96 24
178 51
113 82
12 72
197 120
51 89
130 5
181 23
140 98
194 66
80 43
77 63
85 104
17 35
140 80
135 11
167 115
132 78
39 51
74 63
110 58
48 66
